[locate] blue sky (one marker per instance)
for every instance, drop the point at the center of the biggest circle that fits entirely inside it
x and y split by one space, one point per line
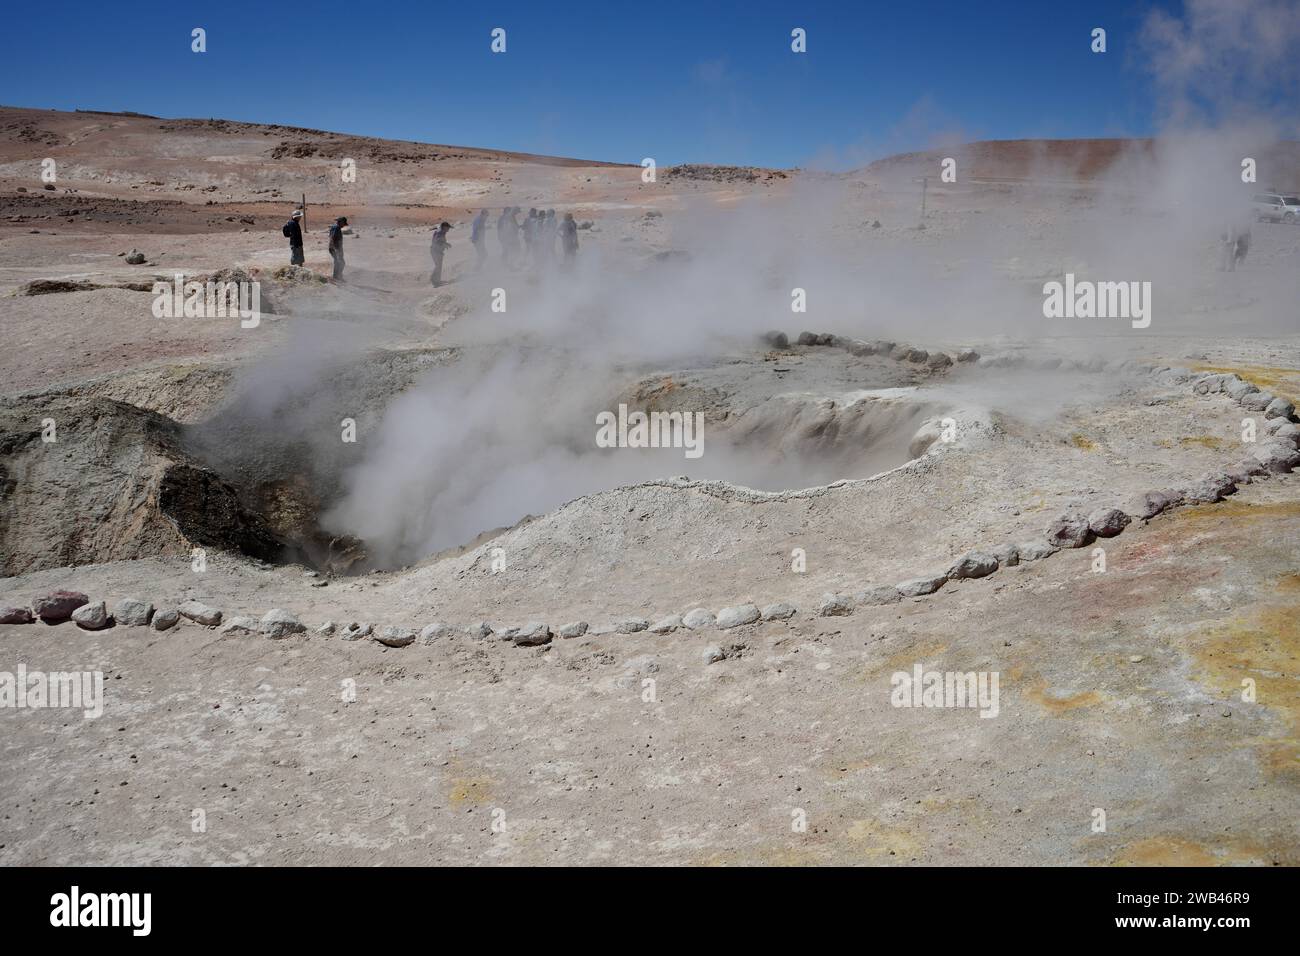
618 81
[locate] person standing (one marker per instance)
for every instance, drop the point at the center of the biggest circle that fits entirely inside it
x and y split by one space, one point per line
569 239
438 249
336 246
293 232
478 238
508 235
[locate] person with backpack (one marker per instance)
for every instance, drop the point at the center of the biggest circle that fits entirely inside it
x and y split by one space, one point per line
293 232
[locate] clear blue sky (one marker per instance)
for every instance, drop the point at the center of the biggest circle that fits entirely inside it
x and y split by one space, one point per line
617 81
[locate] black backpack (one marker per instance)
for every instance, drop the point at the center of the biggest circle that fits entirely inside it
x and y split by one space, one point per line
287 230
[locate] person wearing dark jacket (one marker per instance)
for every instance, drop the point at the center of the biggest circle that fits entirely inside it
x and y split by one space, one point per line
438 249
336 246
293 232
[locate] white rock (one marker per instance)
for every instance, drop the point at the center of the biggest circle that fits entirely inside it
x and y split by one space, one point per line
975 564
737 616
576 629
92 617
698 618
713 653
326 629
916 587
200 613
436 631
877 596
278 623
778 612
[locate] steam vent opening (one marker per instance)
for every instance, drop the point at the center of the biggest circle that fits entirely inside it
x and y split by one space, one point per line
765 419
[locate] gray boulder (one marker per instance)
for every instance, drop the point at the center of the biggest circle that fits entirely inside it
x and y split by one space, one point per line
1008 555
200 613
776 340
1211 488
1239 389
241 625
576 629
1149 504
835 605
713 654
1035 550
533 634
436 631
1256 401
135 258
667 625
698 618
58 605
630 625
737 616
807 338
1276 457
939 360
916 587
16 615
395 636
165 618
1069 531
91 617
778 612
968 355
975 564
278 623
479 632
1279 408
1108 522
327 629
877 595
132 612
355 631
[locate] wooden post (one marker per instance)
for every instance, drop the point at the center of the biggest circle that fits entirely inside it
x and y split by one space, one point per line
303 207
